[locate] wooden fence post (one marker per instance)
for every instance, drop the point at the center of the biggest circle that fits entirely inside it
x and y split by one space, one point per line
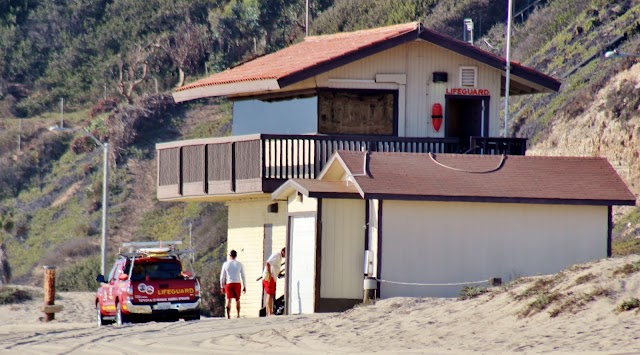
49 308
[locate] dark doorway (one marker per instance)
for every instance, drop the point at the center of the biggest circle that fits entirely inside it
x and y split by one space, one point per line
466 116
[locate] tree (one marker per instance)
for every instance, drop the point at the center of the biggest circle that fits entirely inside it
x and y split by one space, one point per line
185 47
132 68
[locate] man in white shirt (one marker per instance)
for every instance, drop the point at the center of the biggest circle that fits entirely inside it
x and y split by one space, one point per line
270 275
230 276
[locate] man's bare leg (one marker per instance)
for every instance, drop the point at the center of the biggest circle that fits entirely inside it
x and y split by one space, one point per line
269 305
228 308
238 307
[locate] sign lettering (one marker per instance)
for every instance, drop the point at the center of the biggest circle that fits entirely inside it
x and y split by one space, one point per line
469 92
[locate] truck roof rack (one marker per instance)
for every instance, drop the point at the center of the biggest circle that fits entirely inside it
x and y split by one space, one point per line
159 244
153 249
142 253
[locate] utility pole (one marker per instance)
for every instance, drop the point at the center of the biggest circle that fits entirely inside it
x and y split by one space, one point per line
62 112
155 80
193 256
306 26
19 136
105 91
508 71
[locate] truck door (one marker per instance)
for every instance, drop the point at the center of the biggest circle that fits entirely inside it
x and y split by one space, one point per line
109 296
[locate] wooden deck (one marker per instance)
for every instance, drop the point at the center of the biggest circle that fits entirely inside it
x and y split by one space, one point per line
261 163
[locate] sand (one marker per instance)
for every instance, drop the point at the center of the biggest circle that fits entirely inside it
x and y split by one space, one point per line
585 322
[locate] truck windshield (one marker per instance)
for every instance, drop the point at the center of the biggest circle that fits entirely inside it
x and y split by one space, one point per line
156 270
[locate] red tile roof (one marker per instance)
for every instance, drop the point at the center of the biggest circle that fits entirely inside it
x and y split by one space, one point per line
565 180
312 51
317 54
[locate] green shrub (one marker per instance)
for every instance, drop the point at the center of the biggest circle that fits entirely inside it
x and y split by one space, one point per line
80 276
11 295
469 292
626 246
628 305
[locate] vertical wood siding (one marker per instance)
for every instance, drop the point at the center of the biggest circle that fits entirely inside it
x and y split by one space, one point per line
219 168
418 60
193 171
342 248
246 236
169 173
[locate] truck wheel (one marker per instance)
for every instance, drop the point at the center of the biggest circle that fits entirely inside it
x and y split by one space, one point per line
120 317
99 317
193 316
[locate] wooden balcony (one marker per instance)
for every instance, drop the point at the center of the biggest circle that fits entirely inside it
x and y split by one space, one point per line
219 168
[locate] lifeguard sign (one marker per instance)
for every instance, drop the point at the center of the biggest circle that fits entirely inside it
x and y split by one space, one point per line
467 92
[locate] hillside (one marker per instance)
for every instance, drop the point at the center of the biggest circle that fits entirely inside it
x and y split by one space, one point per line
115 75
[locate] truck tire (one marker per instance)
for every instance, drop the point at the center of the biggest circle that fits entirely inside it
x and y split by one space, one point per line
120 317
99 317
192 316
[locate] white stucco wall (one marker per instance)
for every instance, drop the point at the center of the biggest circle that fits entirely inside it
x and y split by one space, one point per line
450 242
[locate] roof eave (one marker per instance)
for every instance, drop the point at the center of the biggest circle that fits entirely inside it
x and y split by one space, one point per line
491 199
198 92
488 59
286 189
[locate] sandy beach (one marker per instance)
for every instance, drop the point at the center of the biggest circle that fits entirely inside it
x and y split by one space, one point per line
582 318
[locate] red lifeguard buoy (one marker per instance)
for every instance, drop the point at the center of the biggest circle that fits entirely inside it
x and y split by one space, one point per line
436 116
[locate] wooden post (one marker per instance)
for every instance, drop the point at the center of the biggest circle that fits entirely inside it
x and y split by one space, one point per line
49 291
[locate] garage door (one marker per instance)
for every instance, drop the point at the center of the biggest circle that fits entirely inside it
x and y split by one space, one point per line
302 258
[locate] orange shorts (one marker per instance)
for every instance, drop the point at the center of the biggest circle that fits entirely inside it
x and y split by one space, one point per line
232 290
269 286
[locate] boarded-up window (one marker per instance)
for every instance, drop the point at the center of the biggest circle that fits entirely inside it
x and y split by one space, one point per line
367 113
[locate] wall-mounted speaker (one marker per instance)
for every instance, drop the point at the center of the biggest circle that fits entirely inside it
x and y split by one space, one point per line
440 77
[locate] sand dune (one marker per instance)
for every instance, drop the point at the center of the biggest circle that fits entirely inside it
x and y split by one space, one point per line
571 312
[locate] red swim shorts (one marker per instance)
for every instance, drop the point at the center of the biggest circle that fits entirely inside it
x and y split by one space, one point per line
269 286
232 290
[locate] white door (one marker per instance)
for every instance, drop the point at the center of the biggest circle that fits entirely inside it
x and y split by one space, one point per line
267 242
302 257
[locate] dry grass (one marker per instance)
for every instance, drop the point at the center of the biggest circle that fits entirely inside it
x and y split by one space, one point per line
627 269
541 286
585 278
542 302
575 303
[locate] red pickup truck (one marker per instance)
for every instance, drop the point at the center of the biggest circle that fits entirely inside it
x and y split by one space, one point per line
148 283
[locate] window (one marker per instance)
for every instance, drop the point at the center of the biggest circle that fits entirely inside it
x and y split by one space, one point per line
359 112
159 270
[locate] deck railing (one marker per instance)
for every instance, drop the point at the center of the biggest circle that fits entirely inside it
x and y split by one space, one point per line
260 163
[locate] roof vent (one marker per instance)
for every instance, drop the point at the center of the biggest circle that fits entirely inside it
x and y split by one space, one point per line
468 76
